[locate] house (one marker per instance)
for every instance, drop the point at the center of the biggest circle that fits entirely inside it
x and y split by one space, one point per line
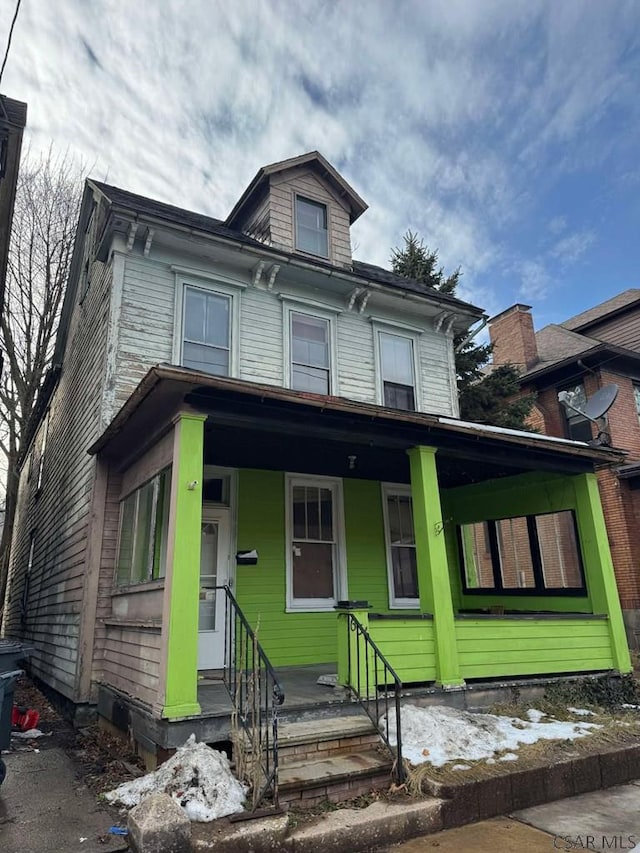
248 430
594 349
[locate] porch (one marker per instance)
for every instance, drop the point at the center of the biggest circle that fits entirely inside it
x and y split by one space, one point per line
506 573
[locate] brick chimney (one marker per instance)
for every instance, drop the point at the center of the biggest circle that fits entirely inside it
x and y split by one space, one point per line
513 338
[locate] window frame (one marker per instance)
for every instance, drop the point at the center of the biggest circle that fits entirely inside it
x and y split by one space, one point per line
567 417
316 605
156 563
292 306
389 490
540 587
319 203
413 337
43 450
214 285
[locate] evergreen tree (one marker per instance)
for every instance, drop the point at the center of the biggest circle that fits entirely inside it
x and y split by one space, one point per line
484 398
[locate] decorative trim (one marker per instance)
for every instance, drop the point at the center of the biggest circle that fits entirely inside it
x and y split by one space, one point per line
195 272
273 272
257 273
133 230
148 242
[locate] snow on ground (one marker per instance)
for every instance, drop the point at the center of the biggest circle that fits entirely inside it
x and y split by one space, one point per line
581 712
197 777
440 735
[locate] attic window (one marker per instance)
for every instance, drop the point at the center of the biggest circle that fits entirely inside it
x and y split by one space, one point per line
312 235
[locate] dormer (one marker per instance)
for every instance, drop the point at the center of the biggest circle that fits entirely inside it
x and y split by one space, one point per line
301 205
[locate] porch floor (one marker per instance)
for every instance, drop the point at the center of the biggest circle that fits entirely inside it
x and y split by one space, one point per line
300 685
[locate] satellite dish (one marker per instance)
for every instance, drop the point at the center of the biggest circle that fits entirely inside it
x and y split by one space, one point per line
595 409
601 402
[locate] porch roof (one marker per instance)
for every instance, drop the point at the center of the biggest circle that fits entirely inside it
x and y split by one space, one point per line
264 421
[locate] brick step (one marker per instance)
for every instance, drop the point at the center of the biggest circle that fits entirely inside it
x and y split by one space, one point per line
338 778
320 739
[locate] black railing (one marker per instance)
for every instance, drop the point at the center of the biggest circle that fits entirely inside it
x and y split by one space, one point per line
256 696
370 678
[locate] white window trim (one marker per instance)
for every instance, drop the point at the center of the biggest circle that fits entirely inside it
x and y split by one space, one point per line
208 284
295 195
231 509
296 306
400 332
388 489
340 570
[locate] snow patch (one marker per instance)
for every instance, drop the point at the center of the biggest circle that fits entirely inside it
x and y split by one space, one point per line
581 712
440 735
197 777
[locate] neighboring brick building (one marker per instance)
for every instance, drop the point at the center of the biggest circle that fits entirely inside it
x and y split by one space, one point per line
599 347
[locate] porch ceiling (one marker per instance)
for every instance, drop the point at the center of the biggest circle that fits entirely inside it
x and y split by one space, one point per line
263 426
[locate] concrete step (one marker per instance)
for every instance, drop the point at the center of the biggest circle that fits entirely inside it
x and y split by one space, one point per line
319 739
340 777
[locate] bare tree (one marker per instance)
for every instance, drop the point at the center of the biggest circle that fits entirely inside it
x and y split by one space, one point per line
44 222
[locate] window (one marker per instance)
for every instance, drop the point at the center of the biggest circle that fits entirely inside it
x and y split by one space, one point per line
24 599
144 523
310 353
315 543
523 555
206 339
397 371
312 234
577 426
636 395
401 547
43 448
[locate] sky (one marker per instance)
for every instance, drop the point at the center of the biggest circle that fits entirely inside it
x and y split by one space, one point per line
505 133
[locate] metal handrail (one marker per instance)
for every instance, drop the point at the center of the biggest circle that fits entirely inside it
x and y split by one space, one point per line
372 700
255 692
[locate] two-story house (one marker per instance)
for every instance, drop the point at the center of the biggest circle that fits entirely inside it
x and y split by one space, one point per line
245 423
597 348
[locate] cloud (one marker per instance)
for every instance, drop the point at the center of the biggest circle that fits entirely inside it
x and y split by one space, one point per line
535 280
451 118
572 247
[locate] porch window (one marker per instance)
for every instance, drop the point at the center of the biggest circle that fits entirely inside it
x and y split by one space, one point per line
206 343
397 371
310 353
523 555
144 522
401 547
314 543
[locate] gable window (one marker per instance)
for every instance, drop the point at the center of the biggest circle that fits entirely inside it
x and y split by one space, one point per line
206 338
530 554
401 546
397 371
636 397
144 523
312 234
310 353
577 426
315 535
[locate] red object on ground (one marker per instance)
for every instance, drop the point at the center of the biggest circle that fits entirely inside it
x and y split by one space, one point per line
24 719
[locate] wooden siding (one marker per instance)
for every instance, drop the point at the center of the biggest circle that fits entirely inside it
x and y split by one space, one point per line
622 330
303 638
409 646
58 513
147 329
500 647
283 188
131 660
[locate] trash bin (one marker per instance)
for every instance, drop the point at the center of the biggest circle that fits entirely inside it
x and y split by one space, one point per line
7 682
12 652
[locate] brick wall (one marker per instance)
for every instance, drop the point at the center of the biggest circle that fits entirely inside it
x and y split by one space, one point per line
513 338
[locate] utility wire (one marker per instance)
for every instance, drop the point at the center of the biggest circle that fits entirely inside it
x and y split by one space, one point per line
6 53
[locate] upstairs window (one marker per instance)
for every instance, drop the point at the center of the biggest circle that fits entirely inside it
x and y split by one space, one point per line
577 426
530 554
396 365
310 353
206 342
144 524
312 234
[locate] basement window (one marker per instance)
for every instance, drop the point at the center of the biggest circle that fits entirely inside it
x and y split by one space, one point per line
144 523
523 555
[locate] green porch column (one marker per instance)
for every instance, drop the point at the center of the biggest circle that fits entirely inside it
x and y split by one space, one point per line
433 570
598 566
183 570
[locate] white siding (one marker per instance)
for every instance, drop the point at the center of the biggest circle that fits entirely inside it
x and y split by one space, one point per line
356 358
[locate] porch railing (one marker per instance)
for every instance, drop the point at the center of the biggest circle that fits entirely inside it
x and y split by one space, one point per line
370 676
256 695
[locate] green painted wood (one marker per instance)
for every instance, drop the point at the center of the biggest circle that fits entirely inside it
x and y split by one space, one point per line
598 565
183 575
431 554
489 648
409 646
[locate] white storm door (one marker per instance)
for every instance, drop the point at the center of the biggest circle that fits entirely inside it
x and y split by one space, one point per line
214 571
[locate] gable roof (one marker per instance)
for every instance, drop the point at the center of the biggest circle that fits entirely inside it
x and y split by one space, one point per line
556 343
599 312
208 225
315 161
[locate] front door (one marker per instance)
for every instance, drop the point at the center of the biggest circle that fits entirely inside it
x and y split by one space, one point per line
214 571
